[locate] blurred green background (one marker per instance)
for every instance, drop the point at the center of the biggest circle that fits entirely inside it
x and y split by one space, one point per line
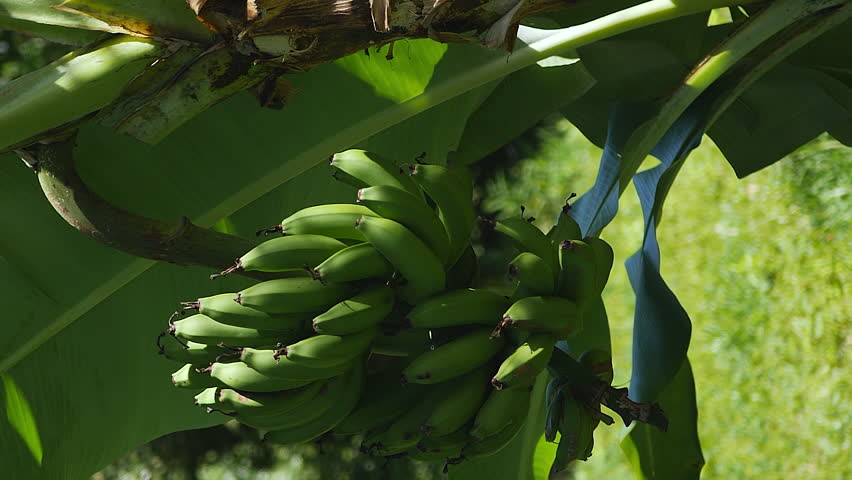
760 264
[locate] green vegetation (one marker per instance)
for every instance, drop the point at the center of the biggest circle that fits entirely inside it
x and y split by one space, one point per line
759 264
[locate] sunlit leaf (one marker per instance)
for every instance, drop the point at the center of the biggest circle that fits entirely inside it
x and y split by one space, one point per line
21 418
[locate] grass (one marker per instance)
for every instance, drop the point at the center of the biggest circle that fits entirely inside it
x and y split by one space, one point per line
760 265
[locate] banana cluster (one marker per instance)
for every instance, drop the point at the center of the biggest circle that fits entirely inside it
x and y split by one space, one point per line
374 328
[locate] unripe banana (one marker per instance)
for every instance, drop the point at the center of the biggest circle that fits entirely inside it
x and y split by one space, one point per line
465 272
599 363
459 307
188 376
292 295
294 252
566 227
422 270
576 429
404 432
335 220
460 405
411 212
343 405
224 309
401 343
269 363
369 169
527 238
432 448
454 358
556 315
520 369
264 403
208 398
323 351
578 273
490 445
239 376
535 276
358 262
191 352
312 408
365 310
500 409
604 257
384 399
455 207
203 329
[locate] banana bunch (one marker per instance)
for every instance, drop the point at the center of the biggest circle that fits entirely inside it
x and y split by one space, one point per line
375 328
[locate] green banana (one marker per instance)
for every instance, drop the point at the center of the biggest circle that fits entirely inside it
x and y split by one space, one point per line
223 309
189 377
294 252
500 409
208 398
384 399
455 207
460 405
239 376
576 428
263 403
410 211
599 363
430 449
423 270
343 405
604 257
492 444
527 238
535 276
292 295
370 169
401 343
459 307
566 227
203 329
268 363
335 220
404 432
454 358
358 262
190 352
365 310
322 351
556 315
314 406
465 272
578 273
521 368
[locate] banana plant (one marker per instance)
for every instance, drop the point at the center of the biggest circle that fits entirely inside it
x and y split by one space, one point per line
173 130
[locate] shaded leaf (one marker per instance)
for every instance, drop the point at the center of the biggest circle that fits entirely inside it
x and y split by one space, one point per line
661 327
783 110
522 100
675 454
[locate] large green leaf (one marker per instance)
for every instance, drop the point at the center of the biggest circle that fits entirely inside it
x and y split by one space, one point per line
675 454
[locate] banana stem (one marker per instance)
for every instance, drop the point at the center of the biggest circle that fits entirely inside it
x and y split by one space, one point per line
184 243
